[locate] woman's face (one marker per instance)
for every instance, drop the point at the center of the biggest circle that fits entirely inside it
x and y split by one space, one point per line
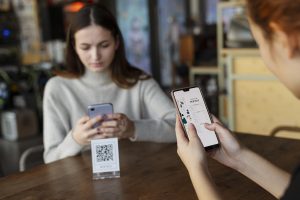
95 47
276 55
264 47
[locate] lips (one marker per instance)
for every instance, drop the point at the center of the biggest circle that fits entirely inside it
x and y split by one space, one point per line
96 65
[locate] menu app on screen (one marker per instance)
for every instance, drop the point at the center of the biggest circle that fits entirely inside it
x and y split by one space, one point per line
192 109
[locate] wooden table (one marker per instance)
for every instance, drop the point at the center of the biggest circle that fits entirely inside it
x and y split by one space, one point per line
149 171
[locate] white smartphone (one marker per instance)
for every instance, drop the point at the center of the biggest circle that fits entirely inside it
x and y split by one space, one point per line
100 109
192 108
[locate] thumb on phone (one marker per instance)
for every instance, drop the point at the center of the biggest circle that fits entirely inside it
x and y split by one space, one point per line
192 133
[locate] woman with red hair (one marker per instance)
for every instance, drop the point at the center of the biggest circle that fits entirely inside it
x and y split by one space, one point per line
275 25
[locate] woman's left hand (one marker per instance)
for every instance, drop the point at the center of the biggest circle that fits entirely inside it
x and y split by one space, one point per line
190 150
117 125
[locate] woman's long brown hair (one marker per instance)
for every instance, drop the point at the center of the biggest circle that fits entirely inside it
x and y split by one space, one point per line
122 73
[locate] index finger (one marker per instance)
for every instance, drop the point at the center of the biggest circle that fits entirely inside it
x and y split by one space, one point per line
110 123
83 119
215 119
114 116
90 123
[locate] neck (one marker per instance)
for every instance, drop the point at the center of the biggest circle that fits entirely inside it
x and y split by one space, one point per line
96 78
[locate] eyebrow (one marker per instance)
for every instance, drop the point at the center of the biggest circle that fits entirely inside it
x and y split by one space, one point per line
84 44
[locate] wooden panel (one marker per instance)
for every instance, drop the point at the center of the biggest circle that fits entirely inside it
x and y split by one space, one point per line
249 65
239 51
261 106
31 45
187 49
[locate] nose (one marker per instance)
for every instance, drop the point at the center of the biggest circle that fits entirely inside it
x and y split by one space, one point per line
95 54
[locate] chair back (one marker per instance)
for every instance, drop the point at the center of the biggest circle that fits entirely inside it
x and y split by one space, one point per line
31 157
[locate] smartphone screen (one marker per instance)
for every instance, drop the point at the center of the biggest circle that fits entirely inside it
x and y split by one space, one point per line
192 109
100 109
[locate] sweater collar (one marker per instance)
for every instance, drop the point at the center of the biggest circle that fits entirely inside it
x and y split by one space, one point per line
96 78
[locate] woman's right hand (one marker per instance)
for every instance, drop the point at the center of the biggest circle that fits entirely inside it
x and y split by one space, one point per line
84 132
230 149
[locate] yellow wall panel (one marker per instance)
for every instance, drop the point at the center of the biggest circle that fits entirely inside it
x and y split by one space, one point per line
249 65
261 106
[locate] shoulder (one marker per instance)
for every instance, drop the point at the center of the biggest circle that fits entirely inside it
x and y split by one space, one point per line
53 81
148 83
151 88
56 84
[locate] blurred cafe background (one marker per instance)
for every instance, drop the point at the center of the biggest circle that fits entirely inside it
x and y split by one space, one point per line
206 43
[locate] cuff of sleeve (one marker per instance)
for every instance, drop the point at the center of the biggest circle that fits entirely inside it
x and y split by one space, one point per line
142 131
73 147
137 128
154 131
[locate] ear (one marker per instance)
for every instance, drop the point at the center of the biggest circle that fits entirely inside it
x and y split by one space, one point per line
283 39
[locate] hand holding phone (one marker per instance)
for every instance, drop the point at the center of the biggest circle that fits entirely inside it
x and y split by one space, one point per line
192 108
100 109
86 129
112 124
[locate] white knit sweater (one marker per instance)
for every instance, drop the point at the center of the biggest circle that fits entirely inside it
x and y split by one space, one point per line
66 100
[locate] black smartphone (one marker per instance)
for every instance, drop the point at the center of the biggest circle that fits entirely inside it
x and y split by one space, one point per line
192 108
100 109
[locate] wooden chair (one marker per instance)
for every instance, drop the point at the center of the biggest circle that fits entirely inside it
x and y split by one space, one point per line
278 129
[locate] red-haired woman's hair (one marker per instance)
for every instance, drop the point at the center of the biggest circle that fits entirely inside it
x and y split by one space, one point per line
284 13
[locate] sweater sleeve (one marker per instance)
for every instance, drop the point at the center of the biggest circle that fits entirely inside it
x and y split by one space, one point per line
292 192
158 115
57 136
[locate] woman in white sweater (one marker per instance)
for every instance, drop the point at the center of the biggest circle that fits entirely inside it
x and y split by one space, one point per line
98 72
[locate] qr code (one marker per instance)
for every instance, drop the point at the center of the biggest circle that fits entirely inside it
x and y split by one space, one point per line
104 153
